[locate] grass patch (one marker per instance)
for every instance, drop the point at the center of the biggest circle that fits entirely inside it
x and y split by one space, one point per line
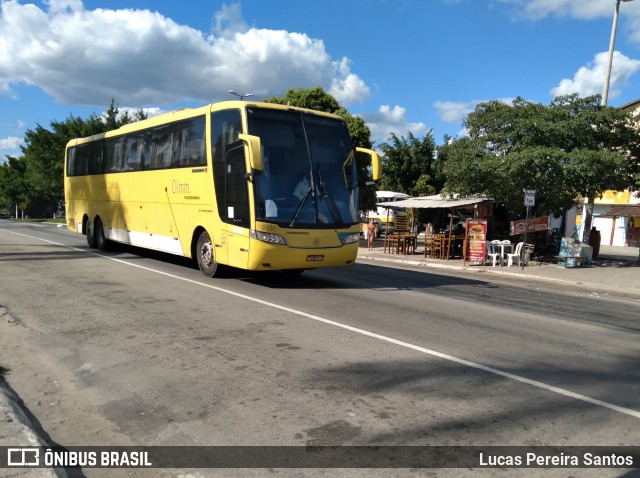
51 220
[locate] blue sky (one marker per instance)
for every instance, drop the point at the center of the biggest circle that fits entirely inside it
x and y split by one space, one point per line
403 65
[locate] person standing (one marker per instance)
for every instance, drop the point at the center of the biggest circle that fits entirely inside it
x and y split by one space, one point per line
371 233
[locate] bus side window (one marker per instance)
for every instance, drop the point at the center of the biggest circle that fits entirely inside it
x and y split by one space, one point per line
110 163
161 155
96 157
193 151
145 154
121 154
82 161
133 155
114 155
176 148
71 161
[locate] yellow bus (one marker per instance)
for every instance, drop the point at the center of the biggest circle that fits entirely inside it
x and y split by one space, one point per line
256 186
387 215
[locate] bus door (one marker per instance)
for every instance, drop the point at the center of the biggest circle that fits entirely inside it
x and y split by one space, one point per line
232 191
238 215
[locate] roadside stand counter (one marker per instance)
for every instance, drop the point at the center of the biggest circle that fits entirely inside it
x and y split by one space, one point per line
573 253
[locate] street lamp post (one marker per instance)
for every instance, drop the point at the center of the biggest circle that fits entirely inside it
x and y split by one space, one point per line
612 43
588 217
246 95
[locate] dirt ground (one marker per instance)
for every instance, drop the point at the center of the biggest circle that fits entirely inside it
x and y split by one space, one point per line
62 414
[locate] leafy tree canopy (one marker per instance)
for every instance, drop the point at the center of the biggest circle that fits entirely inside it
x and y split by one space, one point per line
572 147
408 165
41 167
12 182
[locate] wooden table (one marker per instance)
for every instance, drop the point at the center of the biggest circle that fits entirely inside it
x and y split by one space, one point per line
400 243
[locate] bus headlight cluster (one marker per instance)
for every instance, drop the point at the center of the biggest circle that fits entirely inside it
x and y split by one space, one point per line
351 238
268 237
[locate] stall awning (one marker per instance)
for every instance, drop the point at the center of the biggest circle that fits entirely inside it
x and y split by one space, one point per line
433 202
624 210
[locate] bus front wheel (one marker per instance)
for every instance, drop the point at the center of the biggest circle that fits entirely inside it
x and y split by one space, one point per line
205 256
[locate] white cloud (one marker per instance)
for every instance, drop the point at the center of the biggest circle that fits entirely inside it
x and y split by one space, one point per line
229 20
584 9
633 29
150 112
11 143
588 80
56 6
348 88
454 112
580 10
140 57
391 120
457 111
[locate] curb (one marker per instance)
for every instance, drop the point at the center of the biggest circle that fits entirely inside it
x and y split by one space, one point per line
578 282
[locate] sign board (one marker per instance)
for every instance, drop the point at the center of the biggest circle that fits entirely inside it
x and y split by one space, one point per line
534 224
476 243
530 197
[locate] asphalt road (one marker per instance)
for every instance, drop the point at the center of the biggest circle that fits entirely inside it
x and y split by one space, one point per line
131 347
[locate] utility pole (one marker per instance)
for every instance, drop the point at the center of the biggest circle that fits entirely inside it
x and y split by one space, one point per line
588 214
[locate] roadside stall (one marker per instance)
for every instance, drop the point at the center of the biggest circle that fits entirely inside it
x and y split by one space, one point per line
441 245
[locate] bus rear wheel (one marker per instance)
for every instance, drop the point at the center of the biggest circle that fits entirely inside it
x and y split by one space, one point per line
205 256
102 242
91 236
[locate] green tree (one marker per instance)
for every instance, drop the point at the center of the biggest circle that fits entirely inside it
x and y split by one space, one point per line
317 99
43 153
572 147
114 118
12 182
408 165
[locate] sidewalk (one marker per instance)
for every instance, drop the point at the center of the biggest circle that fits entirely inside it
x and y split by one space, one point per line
615 271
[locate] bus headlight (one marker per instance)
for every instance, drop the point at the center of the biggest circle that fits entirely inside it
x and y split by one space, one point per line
351 238
268 237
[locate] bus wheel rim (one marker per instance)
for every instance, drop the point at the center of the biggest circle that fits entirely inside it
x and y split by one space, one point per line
206 253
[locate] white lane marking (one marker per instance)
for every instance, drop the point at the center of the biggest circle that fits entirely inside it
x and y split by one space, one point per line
417 348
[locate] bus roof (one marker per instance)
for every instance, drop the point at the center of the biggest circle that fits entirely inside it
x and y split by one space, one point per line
390 195
185 113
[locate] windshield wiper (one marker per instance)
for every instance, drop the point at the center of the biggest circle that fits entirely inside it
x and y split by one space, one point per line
310 192
331 204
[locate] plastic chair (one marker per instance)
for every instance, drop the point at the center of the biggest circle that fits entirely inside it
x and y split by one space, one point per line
493 251
515 257
506 246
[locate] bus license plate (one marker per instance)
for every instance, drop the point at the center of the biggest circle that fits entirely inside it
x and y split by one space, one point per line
315 258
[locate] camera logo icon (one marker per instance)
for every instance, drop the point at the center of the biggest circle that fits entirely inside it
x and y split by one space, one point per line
23 457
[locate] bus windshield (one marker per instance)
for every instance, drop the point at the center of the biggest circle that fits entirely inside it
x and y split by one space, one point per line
309 176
